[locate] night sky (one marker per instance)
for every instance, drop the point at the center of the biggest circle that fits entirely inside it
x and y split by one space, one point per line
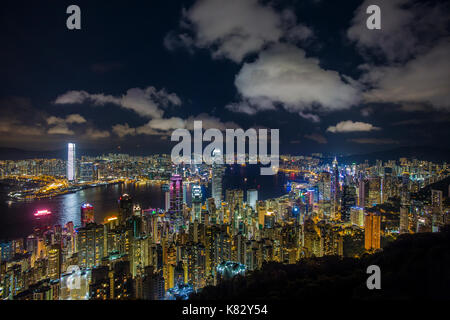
137 70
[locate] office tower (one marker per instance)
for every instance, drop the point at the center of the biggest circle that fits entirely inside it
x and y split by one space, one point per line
87 214
437 213
348 201
363 193
196 203
167 200
176 197
374 191
54 262
252 198
125 207
372 222
357 216
217 172
404 211
324 188
261 210
324 185
90 245
331 241
335 189
71 162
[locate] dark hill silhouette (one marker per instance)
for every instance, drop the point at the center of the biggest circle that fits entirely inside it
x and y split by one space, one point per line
412 267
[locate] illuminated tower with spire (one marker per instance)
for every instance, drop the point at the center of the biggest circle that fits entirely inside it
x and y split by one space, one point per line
335 189
217 172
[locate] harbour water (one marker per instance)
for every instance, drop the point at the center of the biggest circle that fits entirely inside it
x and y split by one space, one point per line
17 220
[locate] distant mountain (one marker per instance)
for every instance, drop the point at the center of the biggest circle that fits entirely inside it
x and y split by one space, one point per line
20 154
421 153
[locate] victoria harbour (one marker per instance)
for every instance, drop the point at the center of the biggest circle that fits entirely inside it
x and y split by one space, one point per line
17 217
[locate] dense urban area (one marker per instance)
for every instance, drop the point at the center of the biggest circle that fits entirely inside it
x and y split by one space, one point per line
328 209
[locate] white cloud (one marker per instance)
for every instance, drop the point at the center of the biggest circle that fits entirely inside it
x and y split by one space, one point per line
350 126
309 116
14 127
61 129
373 141
210 122
283 74
145 102
71 118
317 138
96 134
165 126
233 29
61 125
425 79
123 130
407 28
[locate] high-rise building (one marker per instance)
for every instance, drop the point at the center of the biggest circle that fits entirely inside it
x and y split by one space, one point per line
374 191
217 172
372 222
196 203
176 197
87 214
90 245
335 189
54 262
71 162
125 207
357 216
252 198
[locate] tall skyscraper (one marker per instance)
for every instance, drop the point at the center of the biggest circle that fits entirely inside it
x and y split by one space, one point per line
217 172
335 189
372 221
252 197
176 196
196 203
71 162
125 207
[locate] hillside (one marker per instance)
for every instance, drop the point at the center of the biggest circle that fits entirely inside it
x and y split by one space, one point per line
412 267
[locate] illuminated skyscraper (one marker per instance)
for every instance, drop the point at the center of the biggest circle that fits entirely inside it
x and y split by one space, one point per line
71 162
87 214
54 262
196 203
90 245
335 188
176 197
217 172
252 197
125 207
372 221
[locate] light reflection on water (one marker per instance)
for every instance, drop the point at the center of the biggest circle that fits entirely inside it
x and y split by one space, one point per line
16 218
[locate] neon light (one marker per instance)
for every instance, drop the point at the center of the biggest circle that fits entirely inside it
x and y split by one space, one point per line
42 213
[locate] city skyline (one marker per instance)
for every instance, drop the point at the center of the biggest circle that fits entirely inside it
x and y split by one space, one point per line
227 151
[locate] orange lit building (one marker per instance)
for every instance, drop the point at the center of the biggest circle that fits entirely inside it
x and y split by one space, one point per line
372 221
